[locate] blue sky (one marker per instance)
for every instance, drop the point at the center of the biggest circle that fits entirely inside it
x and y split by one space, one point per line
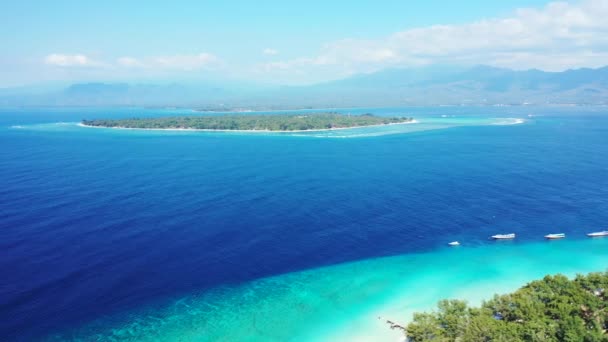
287 42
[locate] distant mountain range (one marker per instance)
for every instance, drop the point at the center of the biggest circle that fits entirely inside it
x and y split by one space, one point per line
437 85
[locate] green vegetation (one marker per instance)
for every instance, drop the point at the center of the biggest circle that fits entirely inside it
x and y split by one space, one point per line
277 122
551 309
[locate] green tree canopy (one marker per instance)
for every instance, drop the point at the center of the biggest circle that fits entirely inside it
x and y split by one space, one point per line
552 309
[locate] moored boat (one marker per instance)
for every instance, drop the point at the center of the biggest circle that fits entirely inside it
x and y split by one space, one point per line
454 243
503 236
555 236
598 234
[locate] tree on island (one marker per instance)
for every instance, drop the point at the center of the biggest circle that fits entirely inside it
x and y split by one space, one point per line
552 309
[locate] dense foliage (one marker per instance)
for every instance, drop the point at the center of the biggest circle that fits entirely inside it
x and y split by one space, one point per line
251 122
551 309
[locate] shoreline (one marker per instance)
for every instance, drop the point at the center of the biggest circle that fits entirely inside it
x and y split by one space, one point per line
360 300
388 318
247 130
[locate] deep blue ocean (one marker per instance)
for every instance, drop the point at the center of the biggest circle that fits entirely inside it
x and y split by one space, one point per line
96 222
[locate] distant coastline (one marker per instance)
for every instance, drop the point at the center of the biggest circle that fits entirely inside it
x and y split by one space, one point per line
251 123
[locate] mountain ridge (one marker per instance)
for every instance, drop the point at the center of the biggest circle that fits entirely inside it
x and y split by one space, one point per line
433 85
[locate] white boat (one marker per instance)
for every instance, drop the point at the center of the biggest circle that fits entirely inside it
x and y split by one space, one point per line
555 236
454 243
503 236
598 234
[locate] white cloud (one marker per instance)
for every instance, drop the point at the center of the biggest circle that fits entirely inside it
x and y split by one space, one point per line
270 52
62 60
155 63
558 36
129 62
186 62
558 26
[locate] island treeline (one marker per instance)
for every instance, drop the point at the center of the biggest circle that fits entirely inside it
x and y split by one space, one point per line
552 309
271 122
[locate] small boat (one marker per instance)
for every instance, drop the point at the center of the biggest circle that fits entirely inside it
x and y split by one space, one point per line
555 236
503 236
454 243
598 234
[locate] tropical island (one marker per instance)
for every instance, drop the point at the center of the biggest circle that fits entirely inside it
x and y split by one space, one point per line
552 309
247 122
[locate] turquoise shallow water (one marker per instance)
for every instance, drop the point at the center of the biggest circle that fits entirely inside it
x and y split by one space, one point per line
344 302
